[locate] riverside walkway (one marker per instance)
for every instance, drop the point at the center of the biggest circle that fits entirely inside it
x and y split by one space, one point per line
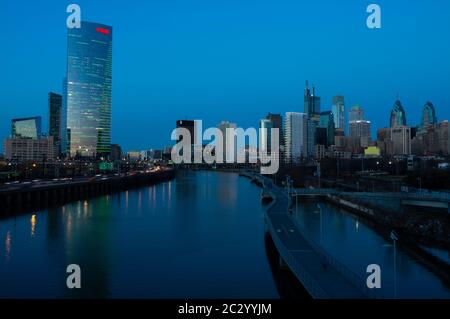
321 275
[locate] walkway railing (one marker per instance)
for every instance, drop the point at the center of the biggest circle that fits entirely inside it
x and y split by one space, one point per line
312 285
307 280
351 276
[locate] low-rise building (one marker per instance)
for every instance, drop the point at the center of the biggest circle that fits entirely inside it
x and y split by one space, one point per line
30 149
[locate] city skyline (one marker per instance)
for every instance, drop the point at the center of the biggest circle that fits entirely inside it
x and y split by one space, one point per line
244 109
261 150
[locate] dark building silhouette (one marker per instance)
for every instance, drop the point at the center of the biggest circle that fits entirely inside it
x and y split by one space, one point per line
277 122
190 126
54 117
311 102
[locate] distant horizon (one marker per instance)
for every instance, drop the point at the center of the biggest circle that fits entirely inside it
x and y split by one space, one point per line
173 61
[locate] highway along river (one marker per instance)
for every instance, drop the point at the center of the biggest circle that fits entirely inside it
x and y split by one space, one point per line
200 235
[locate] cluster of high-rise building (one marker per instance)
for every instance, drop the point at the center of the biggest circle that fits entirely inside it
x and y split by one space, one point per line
79 122
315 134
429 138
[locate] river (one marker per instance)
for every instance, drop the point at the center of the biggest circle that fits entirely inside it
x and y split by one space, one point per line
200 235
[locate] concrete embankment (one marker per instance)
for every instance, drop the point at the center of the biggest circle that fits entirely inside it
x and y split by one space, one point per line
22 197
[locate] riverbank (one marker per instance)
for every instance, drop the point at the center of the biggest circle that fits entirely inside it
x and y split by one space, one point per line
412 246
23 197
427 228
366 241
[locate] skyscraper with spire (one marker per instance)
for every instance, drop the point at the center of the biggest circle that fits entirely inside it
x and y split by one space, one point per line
428 115
398 115
311 102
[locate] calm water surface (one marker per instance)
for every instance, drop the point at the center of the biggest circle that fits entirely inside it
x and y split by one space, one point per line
200 235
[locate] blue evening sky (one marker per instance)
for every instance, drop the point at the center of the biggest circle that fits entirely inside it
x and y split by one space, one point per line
231 59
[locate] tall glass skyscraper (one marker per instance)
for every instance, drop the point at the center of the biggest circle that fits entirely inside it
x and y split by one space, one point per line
398 115
428 115
87 104
338 109
327 121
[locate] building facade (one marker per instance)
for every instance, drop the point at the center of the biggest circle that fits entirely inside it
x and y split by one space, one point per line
398 115
327 121
428 115
277 122
230 147
296 127
361 129
21 150
87 104
338 109
311 102
401 140
54 119
27 127
265 142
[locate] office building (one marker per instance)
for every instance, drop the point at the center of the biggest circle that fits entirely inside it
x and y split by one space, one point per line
361 129
87 90
116 152
295 127
41 149
327 121
28 127
321 136
401 140
265 143
277 122
230 147
311 102
428 115
356 114
190 126
338 109
398 115
312 125
54 117
432 140
384 141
